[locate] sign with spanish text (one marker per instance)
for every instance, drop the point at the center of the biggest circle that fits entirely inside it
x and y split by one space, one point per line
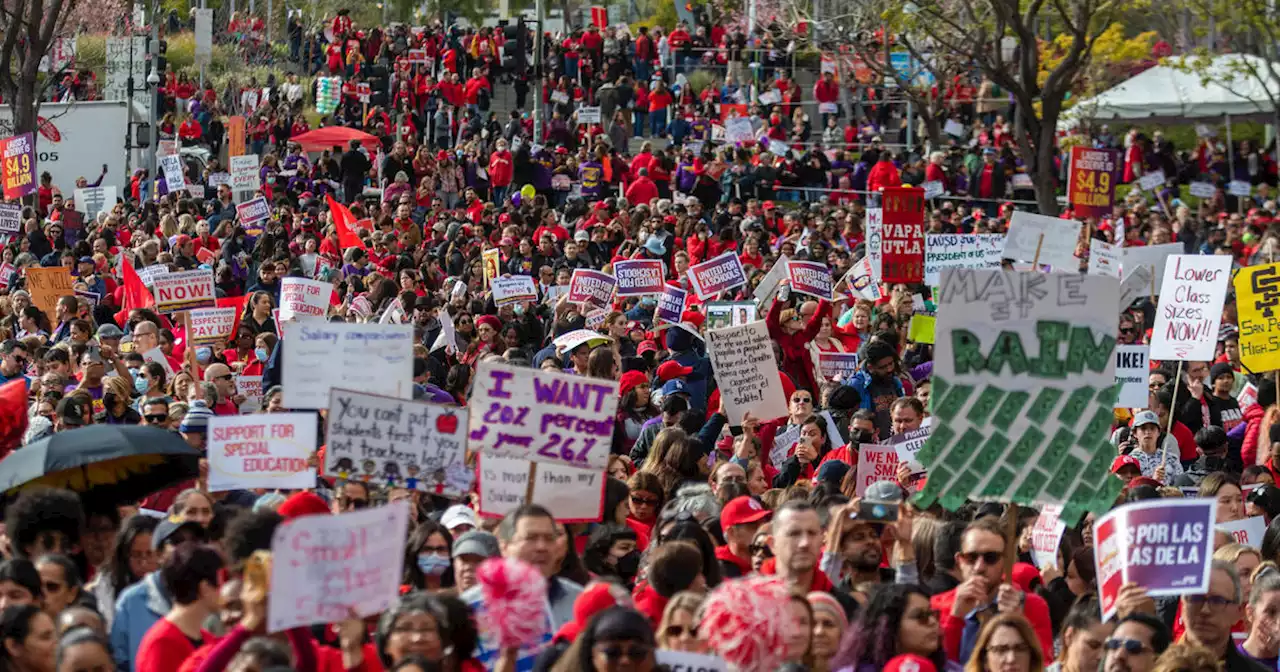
1163 545
301 298
810 277
1190 310
319 356
1048 241
1258 306
902 245
18 172
210 325
747 372
1091 184
717 275
639 277
267 451
185 290
832 364
324 568
670 304
591 287
397 443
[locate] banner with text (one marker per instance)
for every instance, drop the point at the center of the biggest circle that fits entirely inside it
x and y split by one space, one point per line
902 244
319 356
717 275
747 372
247 452
1190 311
639 277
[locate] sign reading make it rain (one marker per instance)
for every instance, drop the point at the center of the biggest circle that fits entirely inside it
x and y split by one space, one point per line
1024 391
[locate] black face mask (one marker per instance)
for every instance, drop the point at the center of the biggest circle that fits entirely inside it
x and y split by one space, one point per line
629 565
862 436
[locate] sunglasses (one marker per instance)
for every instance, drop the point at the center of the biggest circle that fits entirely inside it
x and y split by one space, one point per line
156 418
802 400
644 501
356 503
988 557
761 549
1131 646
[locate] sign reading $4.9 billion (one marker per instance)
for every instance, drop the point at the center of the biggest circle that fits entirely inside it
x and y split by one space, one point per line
19 168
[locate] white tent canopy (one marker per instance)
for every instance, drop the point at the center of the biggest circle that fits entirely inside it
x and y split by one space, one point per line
1228 86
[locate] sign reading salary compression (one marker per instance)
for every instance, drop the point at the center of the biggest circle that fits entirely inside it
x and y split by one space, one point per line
1091 187
186 290
1023 390
902 245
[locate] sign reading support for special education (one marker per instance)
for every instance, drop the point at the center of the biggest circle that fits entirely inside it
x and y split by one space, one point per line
319 356
1054 238
210 325
1163 545
810 277
717 275
591 287
564 423
1132 370
1091 186
1191 297
1258 304
325 567
639 277
261 451
186 290
1023 391
47 285
960 250
902 247
398 443
301 298
747 372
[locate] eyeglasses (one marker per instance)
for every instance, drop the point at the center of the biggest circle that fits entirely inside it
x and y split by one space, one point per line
761 549
616 652
1131 646
988 557
644 501
1214 601
1127 330
1002 650
226 377
355 503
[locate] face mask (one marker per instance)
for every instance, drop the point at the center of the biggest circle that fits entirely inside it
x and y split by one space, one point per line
261 354
140 385
629 565
863 436
432 564
203 355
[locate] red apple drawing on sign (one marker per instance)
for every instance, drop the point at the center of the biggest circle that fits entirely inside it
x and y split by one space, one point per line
446 423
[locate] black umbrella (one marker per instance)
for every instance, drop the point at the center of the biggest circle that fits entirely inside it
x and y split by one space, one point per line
106 464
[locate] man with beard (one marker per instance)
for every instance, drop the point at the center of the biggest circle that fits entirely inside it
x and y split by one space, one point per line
1137 642
876 384
855 545
426 320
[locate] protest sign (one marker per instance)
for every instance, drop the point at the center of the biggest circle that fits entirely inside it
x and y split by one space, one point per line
8 272
591 287
747 372
1132 369
1104 258
92 200
392 314
210 325
157 355
922 328
319 356
908 445
875 463
301 298
717 275
1108 563
1023 391
680 661
148 274
902 245
874 223
324 568
671 304
72 225
186 290
589 115
261 451
832 364
244 172
1202 189
729 313
810 277
47 285
571 494
934 189
1091 184
250 387
1042 239
1239 188
252 214
1248 396
1248 531
1257 303
638 277
1151 181
171 168
768 285
595 318
1135 285
1163 545
860 283
513 289
1191 297
18 172
1046 534
491 262
1151 256
399 443
10 219
960 250
92 297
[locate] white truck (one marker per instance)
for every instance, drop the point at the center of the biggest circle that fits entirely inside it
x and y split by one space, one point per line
76 139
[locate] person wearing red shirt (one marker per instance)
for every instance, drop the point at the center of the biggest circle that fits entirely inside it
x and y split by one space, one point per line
190 576
471 92
190 129
659 100
883 174
501 169
645 53
593 43
642 190
640 110
341 25
827 92
676 41
333 56
982 586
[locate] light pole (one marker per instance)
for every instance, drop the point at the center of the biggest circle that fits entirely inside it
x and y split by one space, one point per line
153 81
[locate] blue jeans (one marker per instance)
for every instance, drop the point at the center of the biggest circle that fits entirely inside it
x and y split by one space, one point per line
657 122
639 123
499 193
641 67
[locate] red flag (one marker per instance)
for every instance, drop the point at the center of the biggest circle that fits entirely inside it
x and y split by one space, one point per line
342 221
600 17
236 302
136 294
13 414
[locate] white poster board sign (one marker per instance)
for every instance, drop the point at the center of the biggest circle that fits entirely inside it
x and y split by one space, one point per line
301 298
876 462
747 372
875 240
1104 258
1190 311
319 356
1248 531
1054 238
244 172
1132 369
270 451
960 250
1046 534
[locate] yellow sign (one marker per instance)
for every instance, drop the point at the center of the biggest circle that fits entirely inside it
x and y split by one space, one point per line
492 265
47 285
922 328
1258 305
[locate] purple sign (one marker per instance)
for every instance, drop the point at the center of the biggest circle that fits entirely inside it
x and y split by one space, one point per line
810 277
639 277
591 287
717 275
252 214
671 303
1165 546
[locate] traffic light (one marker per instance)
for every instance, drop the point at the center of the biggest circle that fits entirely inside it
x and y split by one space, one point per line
517 44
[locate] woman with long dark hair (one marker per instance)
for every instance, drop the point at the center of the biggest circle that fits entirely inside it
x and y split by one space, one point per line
130 560
427 564
896 620
30 640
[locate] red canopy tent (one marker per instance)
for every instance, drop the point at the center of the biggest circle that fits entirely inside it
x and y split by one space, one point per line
334 136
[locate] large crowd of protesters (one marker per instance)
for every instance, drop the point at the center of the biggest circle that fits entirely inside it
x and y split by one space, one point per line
167 581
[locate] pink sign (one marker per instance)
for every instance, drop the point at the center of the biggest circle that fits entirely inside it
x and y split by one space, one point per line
810 277
591 287
717 275
639 277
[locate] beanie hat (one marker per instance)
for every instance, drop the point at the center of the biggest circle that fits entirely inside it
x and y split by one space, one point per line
1220 369
303 503
197 418
631 380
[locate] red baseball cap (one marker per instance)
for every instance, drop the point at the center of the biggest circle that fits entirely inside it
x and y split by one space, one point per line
1123 461
909 662
673 369
646 346
742 510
